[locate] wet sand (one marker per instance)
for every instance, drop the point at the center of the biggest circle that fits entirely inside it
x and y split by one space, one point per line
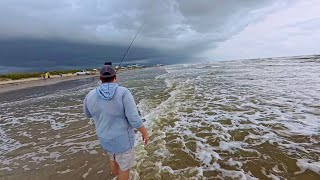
11 85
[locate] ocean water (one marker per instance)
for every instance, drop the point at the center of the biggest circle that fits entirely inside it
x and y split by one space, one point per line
249 119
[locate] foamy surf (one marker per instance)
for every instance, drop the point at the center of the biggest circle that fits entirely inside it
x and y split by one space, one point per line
252 119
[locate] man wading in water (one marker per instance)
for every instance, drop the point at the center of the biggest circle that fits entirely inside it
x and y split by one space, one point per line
115 115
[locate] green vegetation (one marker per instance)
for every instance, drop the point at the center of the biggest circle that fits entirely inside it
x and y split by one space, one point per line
15 76
63 72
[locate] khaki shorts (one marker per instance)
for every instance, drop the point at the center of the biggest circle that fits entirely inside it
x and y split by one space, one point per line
125 160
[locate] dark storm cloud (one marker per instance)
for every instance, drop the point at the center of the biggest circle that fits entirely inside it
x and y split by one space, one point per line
97 29
48 53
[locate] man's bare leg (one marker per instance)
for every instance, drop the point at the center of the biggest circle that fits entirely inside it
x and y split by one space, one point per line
123 175
114 167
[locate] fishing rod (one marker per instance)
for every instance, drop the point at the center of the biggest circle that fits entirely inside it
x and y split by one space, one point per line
125 54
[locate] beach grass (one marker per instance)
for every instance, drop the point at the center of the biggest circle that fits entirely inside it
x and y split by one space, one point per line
63 72
16 76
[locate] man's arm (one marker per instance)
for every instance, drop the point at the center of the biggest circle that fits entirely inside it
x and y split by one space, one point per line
144 134
85 108
133 116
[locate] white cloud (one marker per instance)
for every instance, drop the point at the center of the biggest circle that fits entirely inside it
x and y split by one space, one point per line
289 31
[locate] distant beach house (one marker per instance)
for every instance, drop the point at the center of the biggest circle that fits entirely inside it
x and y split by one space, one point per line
133 66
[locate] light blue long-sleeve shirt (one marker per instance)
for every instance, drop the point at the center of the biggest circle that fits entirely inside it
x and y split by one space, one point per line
115 114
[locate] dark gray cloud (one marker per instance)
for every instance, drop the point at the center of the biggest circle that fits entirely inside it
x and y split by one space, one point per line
50 54
97 29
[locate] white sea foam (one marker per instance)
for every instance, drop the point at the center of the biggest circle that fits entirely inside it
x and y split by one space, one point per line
231 146
305 164
56 125
7 144
65 171
87 173
99 172
258 106
5 168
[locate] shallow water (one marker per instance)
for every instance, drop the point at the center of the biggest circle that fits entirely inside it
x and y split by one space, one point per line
226 120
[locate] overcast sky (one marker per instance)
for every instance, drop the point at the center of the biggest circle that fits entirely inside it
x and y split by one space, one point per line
67 33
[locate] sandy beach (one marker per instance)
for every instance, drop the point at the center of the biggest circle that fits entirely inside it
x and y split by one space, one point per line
11 85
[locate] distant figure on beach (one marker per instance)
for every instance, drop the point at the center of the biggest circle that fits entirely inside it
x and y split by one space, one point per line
115 115
44 76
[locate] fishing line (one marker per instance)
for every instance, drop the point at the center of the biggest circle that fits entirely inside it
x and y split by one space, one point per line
125 54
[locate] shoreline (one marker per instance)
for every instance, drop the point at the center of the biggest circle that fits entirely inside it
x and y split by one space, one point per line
12 85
